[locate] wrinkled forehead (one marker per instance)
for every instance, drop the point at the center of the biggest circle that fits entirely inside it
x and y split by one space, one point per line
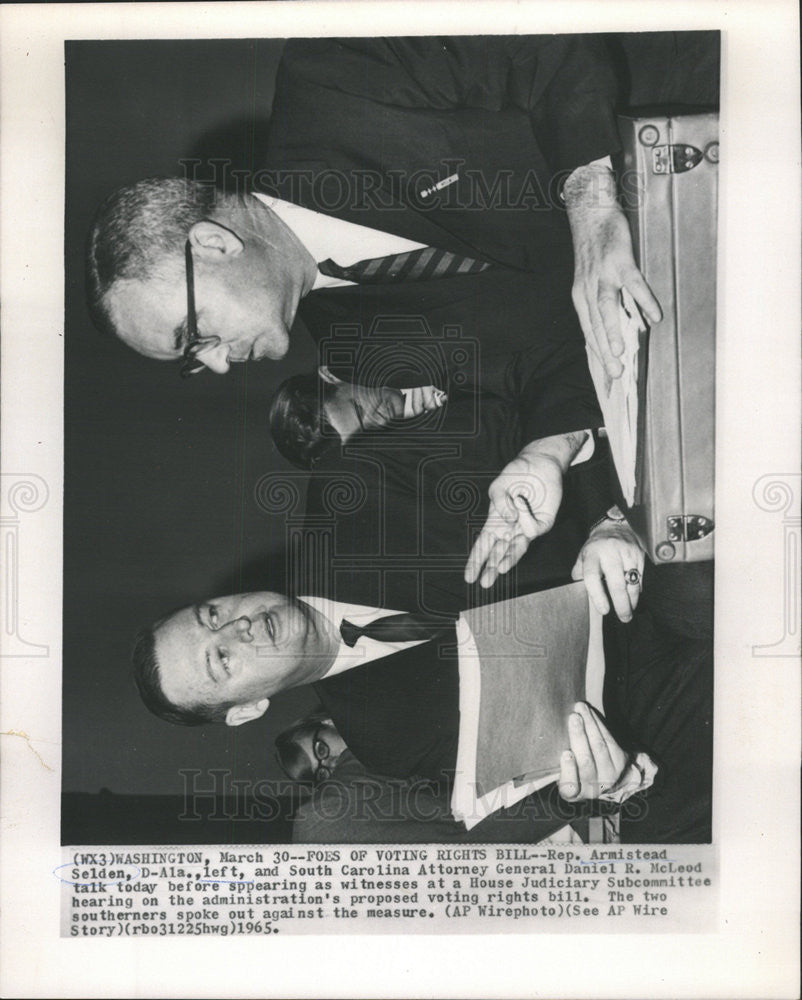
149 316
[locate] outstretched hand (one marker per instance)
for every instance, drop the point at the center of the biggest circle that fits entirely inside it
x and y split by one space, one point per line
524 500
604 264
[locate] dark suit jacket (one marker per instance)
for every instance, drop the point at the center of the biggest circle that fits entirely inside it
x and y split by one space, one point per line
400 718
361 128
400 715
391 517
415 500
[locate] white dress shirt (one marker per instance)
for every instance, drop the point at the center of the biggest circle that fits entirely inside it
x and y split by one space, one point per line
344 242
366 649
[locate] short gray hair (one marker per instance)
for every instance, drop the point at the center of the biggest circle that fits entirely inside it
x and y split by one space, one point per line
137 230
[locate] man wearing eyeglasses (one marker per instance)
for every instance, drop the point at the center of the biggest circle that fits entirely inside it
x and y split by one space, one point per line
347 803
457 147
451 160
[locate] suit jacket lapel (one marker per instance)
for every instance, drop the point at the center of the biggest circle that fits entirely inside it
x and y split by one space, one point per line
377 208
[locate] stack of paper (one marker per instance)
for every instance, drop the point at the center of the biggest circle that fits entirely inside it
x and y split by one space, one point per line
523 665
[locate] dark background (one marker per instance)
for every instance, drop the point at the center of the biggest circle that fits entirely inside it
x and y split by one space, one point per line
160 473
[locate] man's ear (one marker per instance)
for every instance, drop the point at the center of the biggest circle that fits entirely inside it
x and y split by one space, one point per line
238 714
211 239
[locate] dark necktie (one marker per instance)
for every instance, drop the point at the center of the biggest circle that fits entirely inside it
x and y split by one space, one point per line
415 265
406 627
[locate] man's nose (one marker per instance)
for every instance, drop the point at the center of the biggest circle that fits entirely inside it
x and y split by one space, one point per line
215 358
241 628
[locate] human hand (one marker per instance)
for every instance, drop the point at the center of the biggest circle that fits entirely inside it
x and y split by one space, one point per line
610 554
604 264
595 766
422 399
524 500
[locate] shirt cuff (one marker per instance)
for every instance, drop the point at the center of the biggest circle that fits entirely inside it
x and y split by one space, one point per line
586 451
636 778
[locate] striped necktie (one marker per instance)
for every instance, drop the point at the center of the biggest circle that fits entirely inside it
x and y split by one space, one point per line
415 265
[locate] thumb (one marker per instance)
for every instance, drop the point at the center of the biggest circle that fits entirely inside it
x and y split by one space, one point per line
576 572
568 784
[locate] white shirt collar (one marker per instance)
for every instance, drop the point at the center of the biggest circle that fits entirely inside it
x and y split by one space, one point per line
326 237
366 649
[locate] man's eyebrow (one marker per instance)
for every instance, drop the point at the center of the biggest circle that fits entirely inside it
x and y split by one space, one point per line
196 612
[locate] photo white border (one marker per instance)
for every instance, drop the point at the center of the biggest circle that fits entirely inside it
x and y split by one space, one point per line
754 952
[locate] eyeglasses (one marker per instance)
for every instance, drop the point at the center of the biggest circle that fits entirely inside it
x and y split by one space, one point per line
320 749
190 365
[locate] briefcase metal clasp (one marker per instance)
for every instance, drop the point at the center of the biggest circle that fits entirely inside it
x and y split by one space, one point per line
688 527
675 158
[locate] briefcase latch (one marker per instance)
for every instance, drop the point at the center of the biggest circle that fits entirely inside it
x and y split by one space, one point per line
675 158
688 527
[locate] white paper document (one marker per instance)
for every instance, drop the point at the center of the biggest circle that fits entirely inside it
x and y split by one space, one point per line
618 398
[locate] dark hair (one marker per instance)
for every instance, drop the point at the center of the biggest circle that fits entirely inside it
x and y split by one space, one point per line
298 423
148 682
137 230
292 760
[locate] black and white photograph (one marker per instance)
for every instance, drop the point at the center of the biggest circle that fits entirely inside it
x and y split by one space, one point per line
395 376
504 384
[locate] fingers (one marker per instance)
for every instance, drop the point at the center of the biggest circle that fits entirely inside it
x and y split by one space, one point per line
515 551
604 565
643 295
603 349
612 753
634 587
608 309
422 399
596 592
496 556
432 398
482 548
581 299
595 762
593 750
588 568
617 587
580 748
497 549
568 784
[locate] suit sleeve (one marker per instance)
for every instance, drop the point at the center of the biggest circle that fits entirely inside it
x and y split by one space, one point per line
589 491
565 83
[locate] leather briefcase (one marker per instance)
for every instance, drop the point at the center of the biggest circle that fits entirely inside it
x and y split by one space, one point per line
669 181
